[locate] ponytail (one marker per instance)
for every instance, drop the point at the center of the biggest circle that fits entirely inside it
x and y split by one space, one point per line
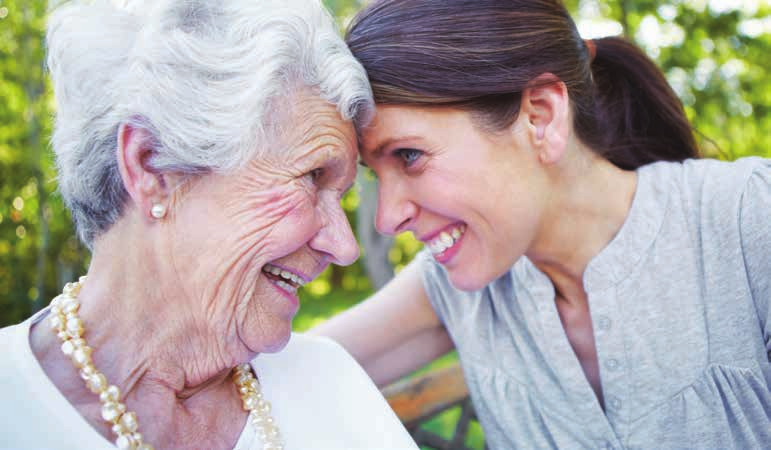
640 118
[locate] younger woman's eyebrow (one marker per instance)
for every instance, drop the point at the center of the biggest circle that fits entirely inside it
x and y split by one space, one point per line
378 151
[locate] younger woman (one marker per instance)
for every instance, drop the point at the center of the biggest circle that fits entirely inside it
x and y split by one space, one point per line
603 288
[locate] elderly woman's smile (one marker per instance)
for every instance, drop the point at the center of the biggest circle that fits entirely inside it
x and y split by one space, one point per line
283 278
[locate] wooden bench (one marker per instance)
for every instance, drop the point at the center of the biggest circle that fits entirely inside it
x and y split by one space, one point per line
419 399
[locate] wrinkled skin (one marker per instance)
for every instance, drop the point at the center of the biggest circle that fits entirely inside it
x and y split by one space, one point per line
282 208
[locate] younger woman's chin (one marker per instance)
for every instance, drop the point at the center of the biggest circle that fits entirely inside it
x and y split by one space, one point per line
467 282
476 274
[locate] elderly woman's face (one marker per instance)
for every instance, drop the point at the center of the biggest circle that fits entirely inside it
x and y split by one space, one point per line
245 241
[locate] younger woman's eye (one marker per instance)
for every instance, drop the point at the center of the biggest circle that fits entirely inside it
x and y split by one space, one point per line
408 155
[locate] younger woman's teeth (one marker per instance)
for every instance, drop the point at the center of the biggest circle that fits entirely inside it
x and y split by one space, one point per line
446 239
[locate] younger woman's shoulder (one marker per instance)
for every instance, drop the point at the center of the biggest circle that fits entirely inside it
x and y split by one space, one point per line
711 172
703 184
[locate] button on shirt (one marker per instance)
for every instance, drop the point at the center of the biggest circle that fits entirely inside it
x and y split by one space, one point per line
680 307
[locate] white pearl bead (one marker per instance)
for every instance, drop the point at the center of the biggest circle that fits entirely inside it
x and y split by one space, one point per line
74 326
70 307
252 384
68 348
158 211
87 372
242 378
258 420
111 394
124 442
251 401
110 412
68 289
69 304
55 322
82 356
97 383
129 421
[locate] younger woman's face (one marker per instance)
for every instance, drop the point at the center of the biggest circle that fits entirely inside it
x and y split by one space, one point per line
475 198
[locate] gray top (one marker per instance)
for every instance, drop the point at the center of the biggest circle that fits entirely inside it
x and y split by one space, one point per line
681 310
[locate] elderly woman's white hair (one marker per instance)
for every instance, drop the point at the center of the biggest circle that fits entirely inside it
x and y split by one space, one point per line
208 79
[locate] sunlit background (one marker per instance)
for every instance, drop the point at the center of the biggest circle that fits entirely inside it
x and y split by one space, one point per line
715 54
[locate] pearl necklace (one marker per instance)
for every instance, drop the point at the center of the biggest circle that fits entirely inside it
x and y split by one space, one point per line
69 328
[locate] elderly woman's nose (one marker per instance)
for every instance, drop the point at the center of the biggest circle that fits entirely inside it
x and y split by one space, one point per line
336 237
394 209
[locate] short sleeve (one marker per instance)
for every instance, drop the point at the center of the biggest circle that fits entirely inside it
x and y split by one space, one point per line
755 229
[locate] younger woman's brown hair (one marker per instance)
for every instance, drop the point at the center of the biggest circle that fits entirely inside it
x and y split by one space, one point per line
479 55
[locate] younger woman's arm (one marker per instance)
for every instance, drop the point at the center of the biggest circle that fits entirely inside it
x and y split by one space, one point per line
393 332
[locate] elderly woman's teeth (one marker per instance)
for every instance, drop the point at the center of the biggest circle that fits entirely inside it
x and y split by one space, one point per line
446 239
286 286
284 277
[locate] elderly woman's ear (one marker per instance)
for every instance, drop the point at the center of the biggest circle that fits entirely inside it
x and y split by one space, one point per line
147 188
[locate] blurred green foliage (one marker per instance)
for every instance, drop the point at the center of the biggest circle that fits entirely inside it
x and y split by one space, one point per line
714 52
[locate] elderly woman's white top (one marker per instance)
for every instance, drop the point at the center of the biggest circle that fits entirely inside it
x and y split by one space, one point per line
321 398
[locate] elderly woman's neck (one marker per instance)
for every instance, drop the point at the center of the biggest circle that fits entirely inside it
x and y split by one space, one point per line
138 319
142 343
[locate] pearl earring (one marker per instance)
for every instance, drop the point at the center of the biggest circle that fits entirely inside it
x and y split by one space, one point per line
158 211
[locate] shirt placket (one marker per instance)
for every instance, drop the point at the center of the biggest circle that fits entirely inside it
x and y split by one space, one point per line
573 379
612 358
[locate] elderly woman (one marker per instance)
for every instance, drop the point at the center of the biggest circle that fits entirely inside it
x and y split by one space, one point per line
203 148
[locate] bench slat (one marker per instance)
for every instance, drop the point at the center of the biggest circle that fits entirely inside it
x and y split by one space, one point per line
423 396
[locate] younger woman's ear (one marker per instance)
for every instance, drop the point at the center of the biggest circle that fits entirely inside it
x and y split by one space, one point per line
546 110
146 187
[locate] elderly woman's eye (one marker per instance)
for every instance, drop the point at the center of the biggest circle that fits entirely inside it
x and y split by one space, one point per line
408 155
316 174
